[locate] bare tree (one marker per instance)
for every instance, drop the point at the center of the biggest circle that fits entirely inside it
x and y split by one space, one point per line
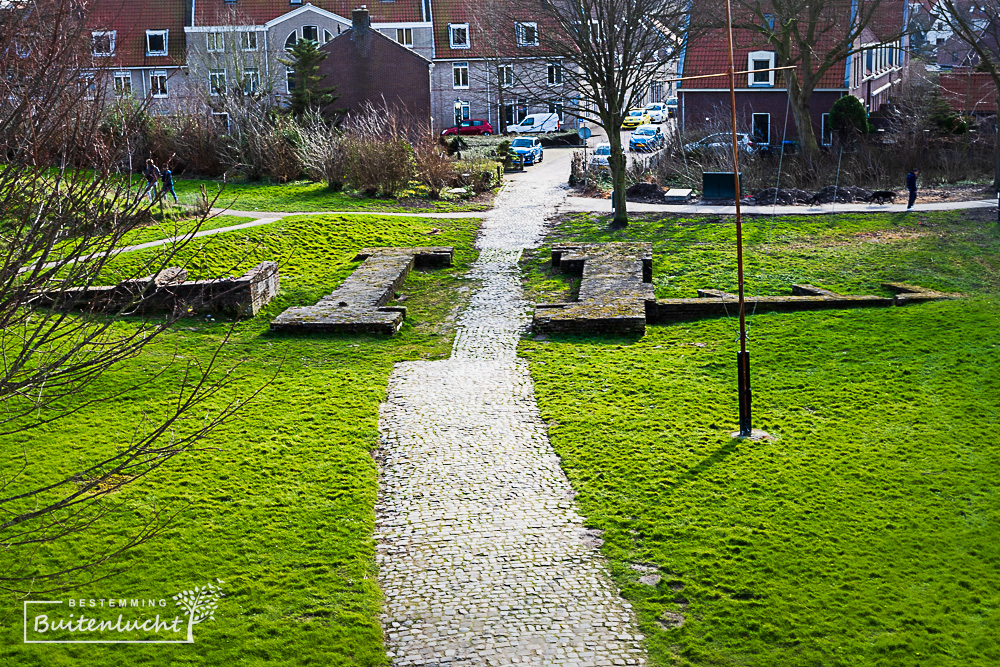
814 37
610 50
66 206
978 25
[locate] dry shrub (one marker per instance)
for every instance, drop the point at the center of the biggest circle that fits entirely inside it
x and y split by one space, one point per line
380 156
324 152
433 166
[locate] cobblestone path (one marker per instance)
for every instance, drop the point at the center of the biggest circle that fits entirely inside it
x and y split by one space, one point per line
482 558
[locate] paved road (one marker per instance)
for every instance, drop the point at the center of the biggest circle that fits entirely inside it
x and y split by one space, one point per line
482 556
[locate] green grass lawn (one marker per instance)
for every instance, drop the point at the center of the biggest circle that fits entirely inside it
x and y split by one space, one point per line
866 532
171 228
307 196
279 503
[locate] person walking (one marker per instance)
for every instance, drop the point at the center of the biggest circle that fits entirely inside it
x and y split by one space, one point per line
911 185
168 182
152 175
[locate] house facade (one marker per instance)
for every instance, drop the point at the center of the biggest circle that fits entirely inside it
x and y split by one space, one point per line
181 52
762 104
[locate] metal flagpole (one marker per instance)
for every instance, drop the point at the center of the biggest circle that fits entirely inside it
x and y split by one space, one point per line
743 357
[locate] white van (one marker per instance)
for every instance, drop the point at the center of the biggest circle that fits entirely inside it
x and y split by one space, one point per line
536 122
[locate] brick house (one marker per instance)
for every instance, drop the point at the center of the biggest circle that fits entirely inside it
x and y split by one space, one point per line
761 99
971 92
366 66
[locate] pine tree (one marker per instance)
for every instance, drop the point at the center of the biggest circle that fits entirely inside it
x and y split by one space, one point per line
308 95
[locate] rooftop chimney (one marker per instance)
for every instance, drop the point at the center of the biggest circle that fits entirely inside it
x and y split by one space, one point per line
362 22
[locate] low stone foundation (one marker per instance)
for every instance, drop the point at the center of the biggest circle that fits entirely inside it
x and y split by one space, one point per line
359 304
616 294
614 288
171 291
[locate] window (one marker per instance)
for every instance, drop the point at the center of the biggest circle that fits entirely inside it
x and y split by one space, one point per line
290 42
555 73
215 42
221 119
760 60
762 128
404 36
88 84
458 35
158 84
123 84
104 42
310 32
251 81
217 81
289 79
827 131
506 74
556 107
656 91
769 21
156 42
460 74
466 110
295 2
248 40
328 36
527 34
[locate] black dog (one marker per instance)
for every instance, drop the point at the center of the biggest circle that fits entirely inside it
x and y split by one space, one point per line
882 197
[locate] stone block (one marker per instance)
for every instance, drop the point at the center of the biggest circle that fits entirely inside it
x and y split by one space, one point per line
359 304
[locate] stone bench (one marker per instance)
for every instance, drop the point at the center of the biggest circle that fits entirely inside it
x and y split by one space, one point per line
615 288
359 304
170 291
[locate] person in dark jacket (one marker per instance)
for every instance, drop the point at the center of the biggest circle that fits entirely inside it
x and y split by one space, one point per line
911 185
167 179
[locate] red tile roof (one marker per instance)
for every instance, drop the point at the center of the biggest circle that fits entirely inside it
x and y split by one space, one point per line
489 36
259 12
969 91
130 19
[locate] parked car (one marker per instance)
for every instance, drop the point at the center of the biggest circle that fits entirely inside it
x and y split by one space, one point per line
657 112
647 138
471 126
671 107
536 123
722 141
635 118
529 148
600 159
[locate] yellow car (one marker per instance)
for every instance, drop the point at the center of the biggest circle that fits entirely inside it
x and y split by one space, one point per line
635 118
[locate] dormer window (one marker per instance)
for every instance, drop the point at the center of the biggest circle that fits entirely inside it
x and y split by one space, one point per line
156 42
104 42
249 40
527 34
214 42
758 62
458 35
311 33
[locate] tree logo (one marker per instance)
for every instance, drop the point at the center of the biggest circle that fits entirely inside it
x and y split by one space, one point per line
200 603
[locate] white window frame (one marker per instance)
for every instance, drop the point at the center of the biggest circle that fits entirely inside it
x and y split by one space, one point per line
460 82
120 90
754 136
554 73
289 80
506 74
213 87
158 74
466 109
111 35
769 56
89 85
166 42
314 27
824 128
404 36
294 36
248 40
452 28
251 81
215 42
519 30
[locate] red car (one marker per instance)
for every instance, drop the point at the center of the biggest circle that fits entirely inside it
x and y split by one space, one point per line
471 126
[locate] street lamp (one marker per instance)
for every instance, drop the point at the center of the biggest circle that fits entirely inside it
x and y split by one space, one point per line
458 113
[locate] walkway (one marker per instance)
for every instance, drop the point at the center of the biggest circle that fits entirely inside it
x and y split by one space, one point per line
482 557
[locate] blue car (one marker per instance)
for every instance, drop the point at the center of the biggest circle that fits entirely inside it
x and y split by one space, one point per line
647 138
529 148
